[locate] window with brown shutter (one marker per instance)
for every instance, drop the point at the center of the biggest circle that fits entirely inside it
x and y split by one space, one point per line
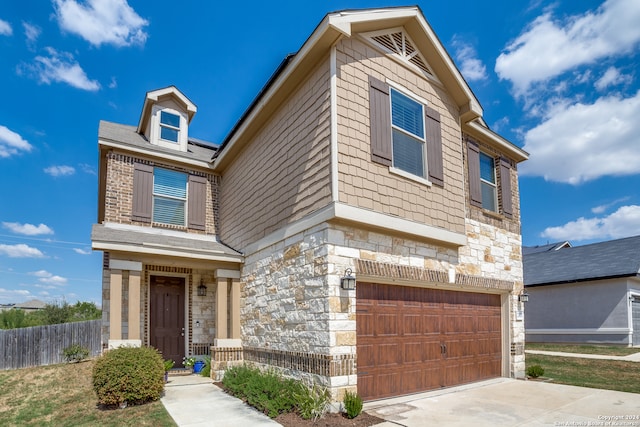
142 192
434 146
505 187
403 132
473 165
197 211
380 119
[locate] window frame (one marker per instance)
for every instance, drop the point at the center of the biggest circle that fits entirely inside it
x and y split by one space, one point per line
493 185
169 126
184 200
422 140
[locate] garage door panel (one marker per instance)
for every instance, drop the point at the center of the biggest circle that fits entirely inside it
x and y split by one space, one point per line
412 324
416 339
388 355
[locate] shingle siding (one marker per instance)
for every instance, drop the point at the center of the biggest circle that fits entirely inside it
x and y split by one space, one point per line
284 172
372 186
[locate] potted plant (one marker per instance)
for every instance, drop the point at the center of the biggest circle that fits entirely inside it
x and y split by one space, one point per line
168 364
188 362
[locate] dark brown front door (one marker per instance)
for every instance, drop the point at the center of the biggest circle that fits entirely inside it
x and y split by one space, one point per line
167 317
415 339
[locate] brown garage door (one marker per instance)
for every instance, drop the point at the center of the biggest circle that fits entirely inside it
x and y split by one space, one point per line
415 339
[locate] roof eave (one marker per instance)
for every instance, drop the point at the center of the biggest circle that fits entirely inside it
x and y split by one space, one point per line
486 135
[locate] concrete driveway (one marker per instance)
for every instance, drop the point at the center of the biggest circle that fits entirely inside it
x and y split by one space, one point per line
507 402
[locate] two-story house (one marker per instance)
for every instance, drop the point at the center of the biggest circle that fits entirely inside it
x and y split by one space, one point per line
359 226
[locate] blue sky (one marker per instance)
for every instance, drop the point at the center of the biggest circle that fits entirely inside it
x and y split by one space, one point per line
559 79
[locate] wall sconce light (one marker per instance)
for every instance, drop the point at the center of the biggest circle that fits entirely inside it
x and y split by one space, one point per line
202 289
524 296
348 282
197 323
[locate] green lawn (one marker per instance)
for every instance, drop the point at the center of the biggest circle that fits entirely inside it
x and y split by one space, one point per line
609 350
594 373
62 395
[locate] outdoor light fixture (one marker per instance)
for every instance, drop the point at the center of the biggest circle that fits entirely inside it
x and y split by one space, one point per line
348 282
202 289
523 297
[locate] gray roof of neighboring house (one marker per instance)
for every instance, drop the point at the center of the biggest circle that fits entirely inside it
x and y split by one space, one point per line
526 250
128 236
31 304
125 134
615 258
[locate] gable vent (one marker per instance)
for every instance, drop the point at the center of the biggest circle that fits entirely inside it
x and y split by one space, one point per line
400 44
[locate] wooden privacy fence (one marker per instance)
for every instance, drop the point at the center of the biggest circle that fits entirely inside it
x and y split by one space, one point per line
43 345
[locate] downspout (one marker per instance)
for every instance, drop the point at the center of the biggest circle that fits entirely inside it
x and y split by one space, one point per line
333 83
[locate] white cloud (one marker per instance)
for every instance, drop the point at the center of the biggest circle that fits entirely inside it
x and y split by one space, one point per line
611 77
11 143
82 251
20 251
603 208
27 229
86 168
5 28
102 21
113 84
61 170
31 32
622 223
470 66
54 280
59 67
582 142
549 47
41 273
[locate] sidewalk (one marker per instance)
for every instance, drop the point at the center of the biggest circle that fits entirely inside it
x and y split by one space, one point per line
629 358
194 401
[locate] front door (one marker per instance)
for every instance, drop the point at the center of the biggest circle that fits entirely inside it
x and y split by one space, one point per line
167 317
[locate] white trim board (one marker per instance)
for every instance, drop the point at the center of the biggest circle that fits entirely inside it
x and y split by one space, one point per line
365 217
580 331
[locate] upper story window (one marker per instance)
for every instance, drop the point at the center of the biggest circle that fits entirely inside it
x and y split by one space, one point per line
405 133
488 182
407 122
169 126
169 196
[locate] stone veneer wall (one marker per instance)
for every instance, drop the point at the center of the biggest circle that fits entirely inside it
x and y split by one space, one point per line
500 255
296 316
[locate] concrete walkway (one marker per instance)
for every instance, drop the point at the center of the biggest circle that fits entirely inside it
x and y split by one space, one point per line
194 401
635 357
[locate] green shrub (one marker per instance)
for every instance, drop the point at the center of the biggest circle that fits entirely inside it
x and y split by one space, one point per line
535 371
312 402
206 370
75 353
168 365
128 375
352 404
266 391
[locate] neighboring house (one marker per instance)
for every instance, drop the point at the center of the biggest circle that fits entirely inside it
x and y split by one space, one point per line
584 294
365 153
31 305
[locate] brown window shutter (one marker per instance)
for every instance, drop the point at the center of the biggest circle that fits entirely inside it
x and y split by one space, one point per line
505 187
142 192
434 146
380 121
197 202
473 164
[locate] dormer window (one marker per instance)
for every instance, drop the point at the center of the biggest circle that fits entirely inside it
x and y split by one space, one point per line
169 126
165 118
